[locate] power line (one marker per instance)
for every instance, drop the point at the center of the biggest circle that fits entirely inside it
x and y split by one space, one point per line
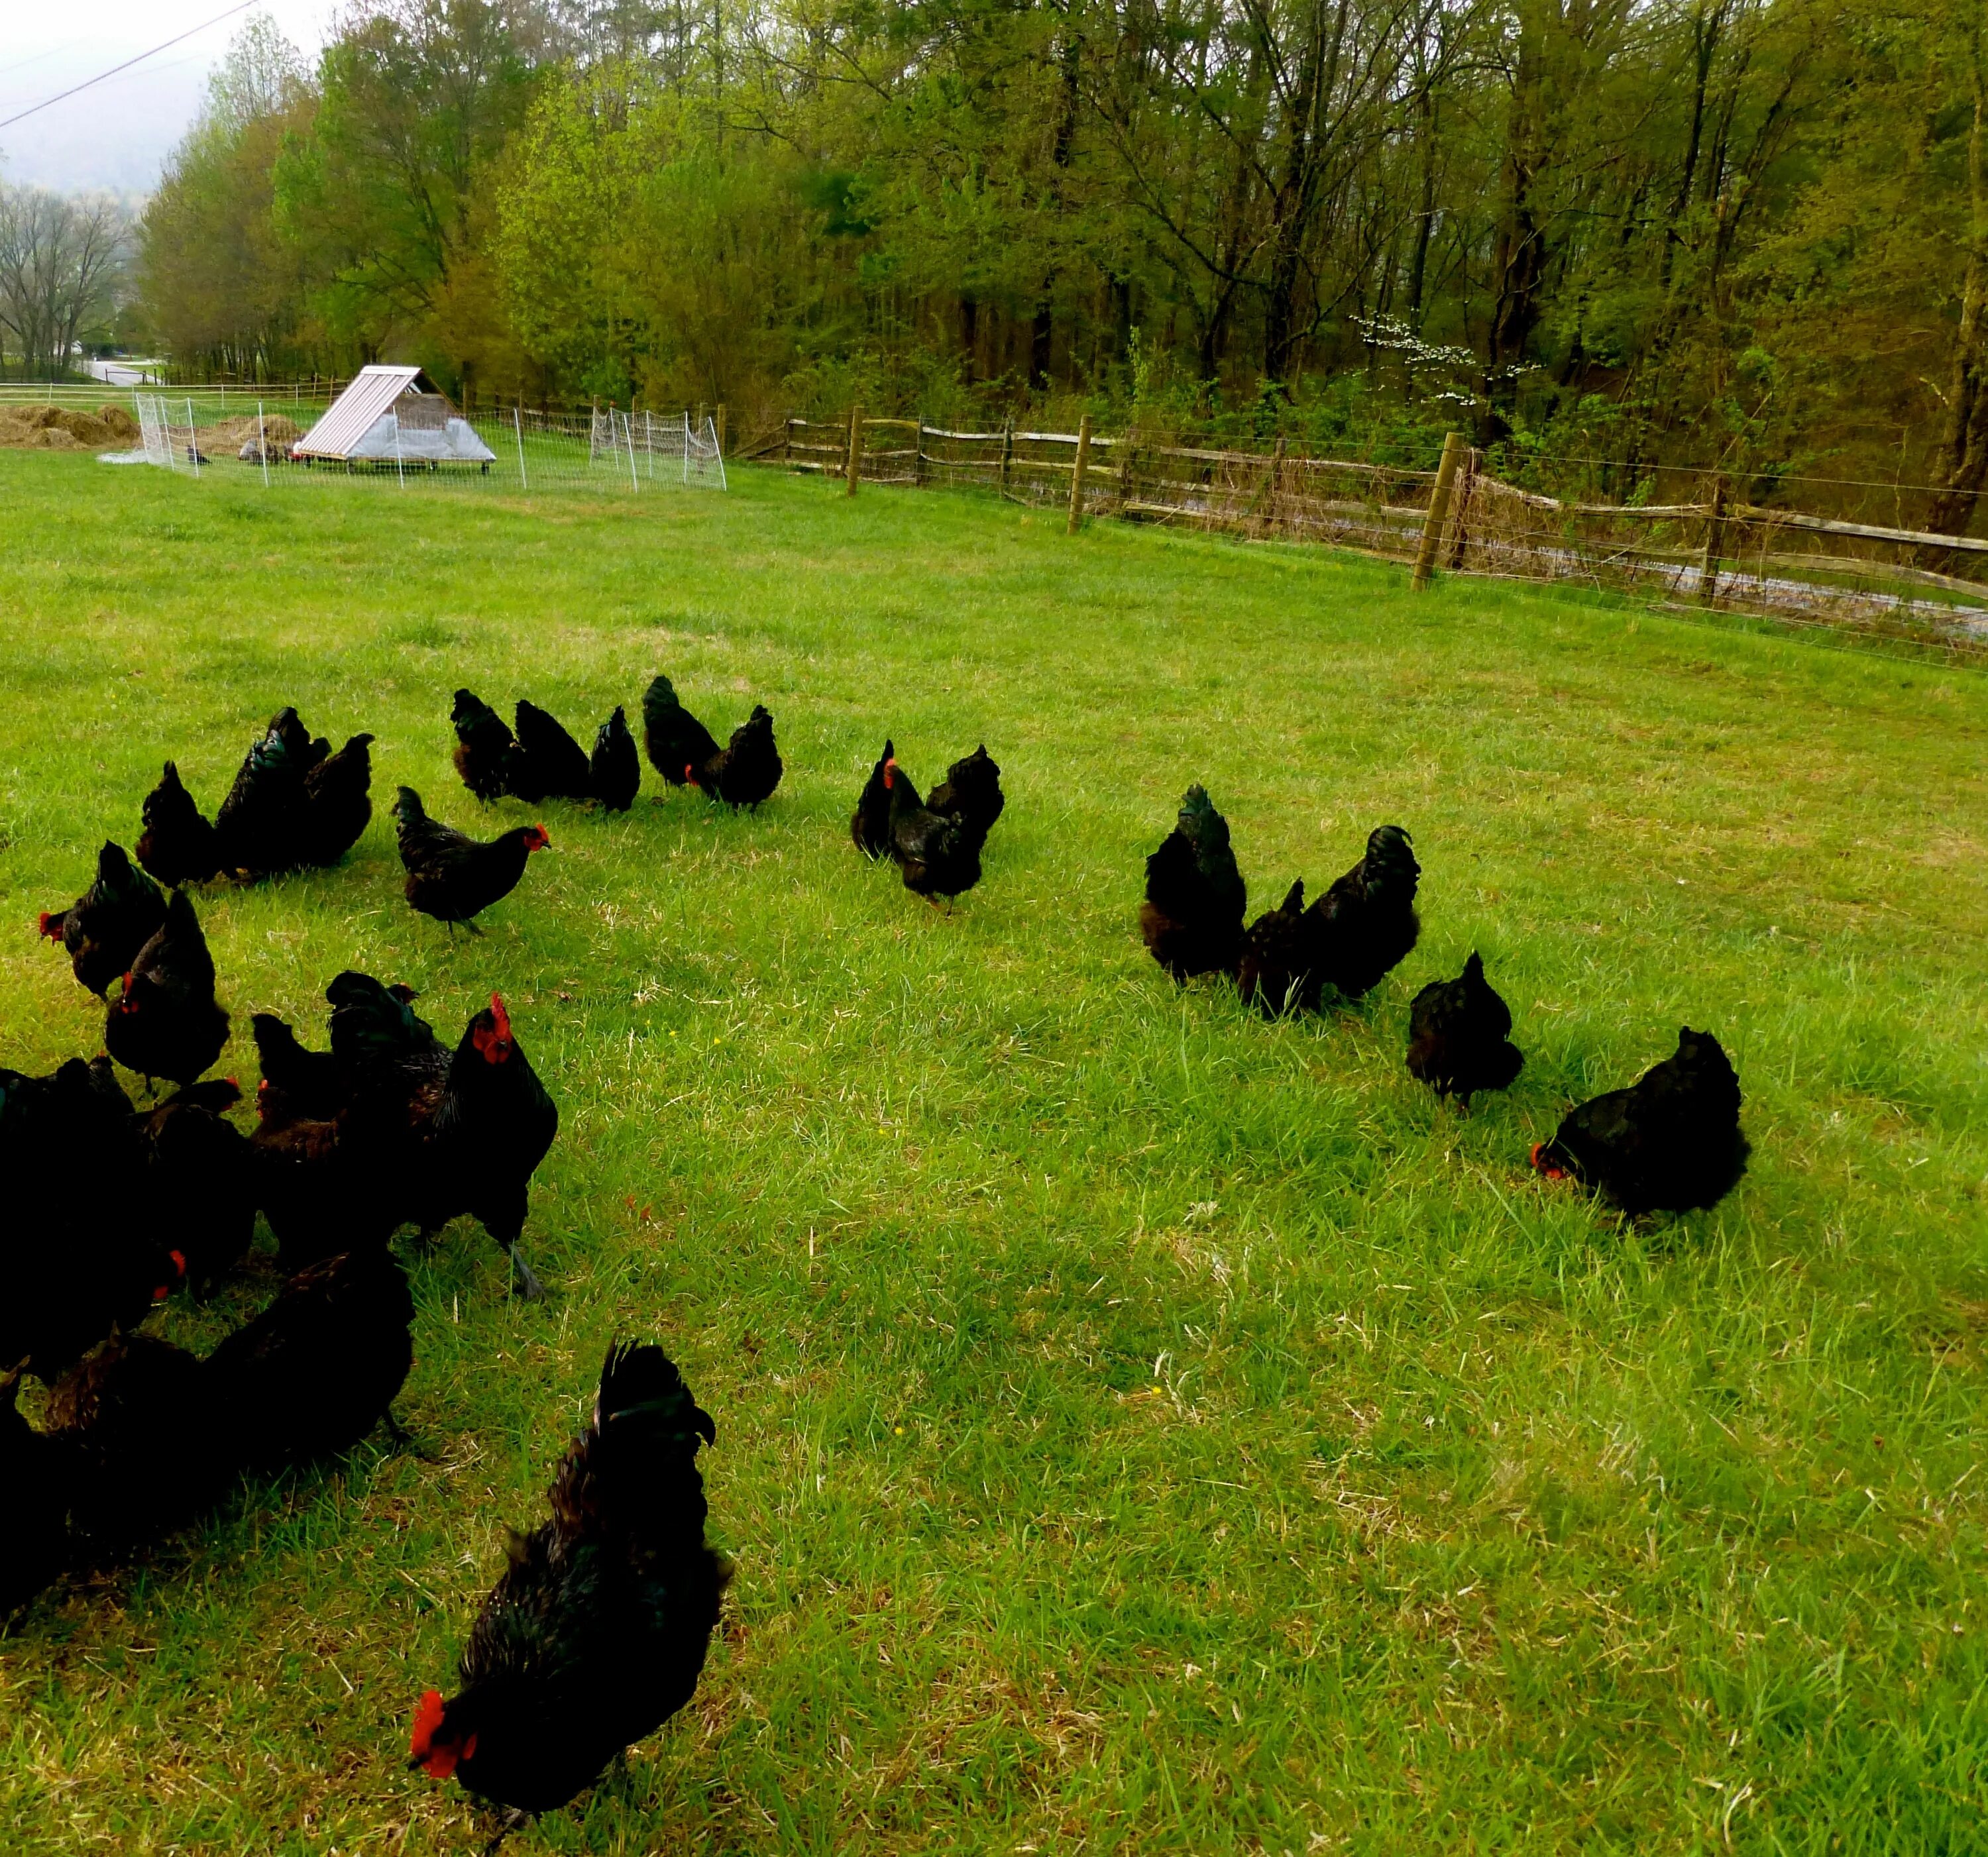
127 64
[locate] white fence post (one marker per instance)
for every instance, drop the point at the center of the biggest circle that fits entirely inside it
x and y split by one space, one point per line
628 431
518 427
193 438
262 443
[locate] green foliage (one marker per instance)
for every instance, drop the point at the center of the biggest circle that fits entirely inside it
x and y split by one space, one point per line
1139 1425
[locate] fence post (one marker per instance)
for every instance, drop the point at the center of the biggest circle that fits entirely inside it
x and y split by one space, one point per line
855 447
1459 524
1274 500
918 457
518 427
1439 511
262 443
193 438
1007 451
628 432
1126 449
1077 473
787 441
721 428
1715 544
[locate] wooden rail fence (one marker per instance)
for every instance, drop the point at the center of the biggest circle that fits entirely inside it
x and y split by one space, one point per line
1792 566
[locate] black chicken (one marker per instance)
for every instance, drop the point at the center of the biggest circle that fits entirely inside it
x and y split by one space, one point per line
320 1187
82 1255
749 768
971 793
484 746
262 826
1460 1036
314 1373
869 824
179 844
939 855
596 1634
490 1126
338 803
452 877
146 1451
34 1471
547 763
614 770
1278 971
198 1185
1670 1143
298 1084
105 927
1365 924
1192 916
165 1022
678 743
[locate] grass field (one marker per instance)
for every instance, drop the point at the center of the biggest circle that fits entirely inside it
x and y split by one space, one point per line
1141 1428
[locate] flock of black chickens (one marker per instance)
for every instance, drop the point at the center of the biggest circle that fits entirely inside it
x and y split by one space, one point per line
1669 1142
598 1631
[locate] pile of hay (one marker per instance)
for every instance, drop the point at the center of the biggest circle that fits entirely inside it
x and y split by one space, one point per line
62 429
236 437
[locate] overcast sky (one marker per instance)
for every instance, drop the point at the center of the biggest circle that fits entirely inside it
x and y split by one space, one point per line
116 133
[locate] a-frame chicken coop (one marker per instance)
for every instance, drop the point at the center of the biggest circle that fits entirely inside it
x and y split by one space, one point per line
392 417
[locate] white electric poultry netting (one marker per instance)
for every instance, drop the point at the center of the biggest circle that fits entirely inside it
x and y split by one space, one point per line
513 450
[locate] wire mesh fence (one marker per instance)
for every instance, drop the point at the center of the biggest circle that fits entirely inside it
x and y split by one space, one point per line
517 449
1708 547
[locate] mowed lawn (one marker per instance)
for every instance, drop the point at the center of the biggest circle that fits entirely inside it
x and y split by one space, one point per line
1140 1427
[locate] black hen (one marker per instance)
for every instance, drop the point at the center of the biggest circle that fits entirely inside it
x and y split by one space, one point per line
971 793
1192 916
938 855
314 1373
1460 1036
869 824
298 1084
179 844
262 825
452 877
597 1633
338 802
82 1254
484 746
146 1456
1278 971
548 763
1365 924
165 1022
1670 1143
197 1181
34 1471
678 743
614 770
105 927
748 769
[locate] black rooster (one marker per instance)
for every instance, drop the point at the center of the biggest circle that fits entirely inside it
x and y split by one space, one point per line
597 1633
105 927
165 1023
1460 1036
452 877
177 845
1192 916
614 770
1670 1143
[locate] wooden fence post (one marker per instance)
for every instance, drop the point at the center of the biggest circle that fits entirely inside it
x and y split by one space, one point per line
918 457
1126 447
1275 489
721 428
855 447
787 441
1007 451
1439 511
1077 472
1715 544
1459 510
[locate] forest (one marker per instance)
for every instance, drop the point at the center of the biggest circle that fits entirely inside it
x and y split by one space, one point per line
1749 235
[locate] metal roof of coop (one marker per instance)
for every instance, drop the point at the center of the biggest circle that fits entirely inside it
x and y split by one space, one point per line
374 392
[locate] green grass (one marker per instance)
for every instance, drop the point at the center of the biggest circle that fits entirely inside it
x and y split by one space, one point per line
1140 1427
